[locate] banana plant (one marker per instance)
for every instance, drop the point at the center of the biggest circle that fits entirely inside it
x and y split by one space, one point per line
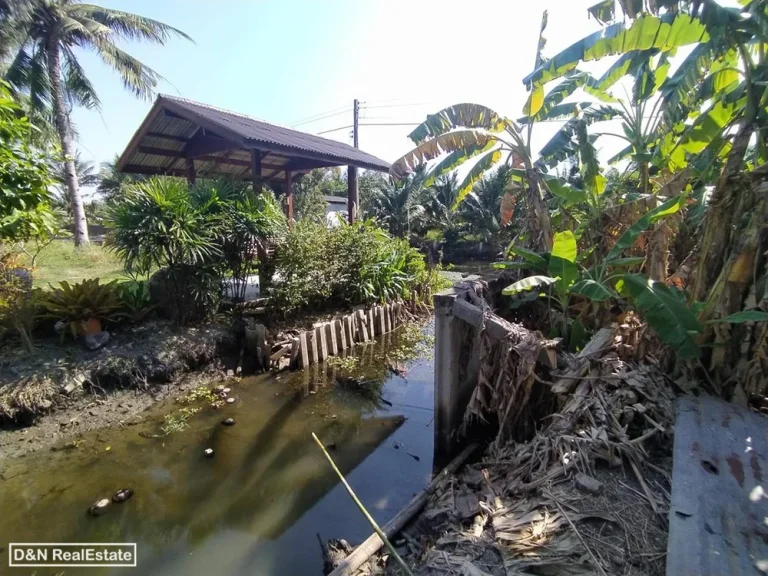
663 307
472 132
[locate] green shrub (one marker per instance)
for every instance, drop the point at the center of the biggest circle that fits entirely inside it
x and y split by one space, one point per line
345 265
19 304
196 237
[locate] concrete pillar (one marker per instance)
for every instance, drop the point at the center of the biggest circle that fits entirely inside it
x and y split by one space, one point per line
303 350
341 333
330 336
448 340
322 345
382 322
371 323
349 327
313 345
362 326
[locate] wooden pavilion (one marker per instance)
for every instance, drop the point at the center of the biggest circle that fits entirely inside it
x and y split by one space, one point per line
180 137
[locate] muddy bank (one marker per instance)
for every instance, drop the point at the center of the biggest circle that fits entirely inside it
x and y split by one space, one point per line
64 389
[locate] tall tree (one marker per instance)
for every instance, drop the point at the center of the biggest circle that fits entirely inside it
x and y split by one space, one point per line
399 204
86 176
43 35
110 182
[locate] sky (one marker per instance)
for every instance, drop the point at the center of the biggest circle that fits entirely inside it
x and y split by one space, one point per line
284 61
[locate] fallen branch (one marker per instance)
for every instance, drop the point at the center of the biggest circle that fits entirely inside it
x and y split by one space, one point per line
362 553
363 509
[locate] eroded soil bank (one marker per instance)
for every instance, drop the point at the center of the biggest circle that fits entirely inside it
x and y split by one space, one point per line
63 389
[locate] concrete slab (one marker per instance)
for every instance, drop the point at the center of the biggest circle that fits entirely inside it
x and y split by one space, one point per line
718 517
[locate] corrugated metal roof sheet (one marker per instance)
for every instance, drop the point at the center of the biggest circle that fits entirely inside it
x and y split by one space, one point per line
179 118
718 516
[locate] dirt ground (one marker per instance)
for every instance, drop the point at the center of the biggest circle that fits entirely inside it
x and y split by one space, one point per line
63 390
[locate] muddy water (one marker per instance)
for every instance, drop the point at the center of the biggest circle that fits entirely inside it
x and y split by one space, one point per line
257 506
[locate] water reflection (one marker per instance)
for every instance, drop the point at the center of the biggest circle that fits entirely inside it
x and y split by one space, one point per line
259 504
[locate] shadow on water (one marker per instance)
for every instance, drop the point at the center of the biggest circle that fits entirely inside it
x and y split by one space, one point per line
258 505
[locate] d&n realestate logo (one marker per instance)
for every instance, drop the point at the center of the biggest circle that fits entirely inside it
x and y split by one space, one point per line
63 554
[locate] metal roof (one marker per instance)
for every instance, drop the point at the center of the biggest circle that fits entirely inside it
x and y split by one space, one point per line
220 143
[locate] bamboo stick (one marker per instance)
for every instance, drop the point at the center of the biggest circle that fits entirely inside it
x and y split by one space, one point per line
360 555
362 508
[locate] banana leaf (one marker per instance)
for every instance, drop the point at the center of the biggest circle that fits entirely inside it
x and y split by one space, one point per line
475 174
444 143
665 311
528 283
458 116
645 33
671 206
592 290
456 159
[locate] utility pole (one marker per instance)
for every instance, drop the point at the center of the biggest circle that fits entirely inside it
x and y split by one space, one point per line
353 202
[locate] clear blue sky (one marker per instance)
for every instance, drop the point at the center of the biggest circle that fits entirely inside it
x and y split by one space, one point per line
285 60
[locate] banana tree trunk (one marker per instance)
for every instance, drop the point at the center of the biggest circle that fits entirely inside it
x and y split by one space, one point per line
539 222
65 136
719 222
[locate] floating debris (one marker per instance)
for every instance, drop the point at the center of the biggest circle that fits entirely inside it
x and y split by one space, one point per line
99 507
230 400
228 422
122 495
208 452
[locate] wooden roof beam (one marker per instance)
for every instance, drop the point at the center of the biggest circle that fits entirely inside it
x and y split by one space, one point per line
204 143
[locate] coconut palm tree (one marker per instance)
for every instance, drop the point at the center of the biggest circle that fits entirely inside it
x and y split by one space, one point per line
111 182
41 37
86 176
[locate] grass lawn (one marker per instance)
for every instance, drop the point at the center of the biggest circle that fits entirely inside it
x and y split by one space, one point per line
60 261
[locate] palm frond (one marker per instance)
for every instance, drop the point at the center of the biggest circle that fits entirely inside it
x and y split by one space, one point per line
79 88
136 76
130 26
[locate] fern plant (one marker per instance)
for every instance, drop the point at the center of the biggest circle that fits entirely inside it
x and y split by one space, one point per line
84 306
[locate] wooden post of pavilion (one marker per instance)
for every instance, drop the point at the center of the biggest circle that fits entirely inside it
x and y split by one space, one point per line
256 171
265 275
289 196
352 200
191 175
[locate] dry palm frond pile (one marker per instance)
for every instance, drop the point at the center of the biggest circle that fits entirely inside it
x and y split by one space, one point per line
586 492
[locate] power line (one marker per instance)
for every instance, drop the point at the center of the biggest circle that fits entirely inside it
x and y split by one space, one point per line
335 129
397 105
322 116
370 124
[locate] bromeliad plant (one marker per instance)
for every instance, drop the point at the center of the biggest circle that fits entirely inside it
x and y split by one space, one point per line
135 300
84 306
